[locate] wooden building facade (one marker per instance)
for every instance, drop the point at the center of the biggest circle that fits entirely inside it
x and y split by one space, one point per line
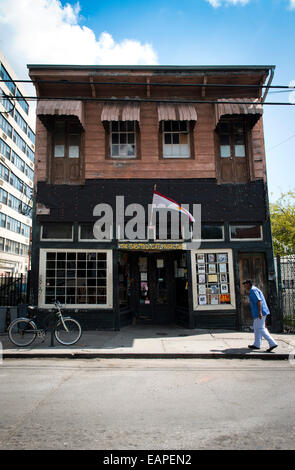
108 134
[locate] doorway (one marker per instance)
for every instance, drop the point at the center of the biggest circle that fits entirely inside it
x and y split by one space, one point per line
252 266
155 281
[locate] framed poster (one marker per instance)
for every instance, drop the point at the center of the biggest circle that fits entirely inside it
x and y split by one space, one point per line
143 276
212 268
223 277
201 268
223 288
200 258
202 278
202 289
202 300
222 268
211 258
212 278
214 299
222 257
214 289
224 299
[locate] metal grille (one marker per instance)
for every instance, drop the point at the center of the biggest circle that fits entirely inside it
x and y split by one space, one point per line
286 284
13 290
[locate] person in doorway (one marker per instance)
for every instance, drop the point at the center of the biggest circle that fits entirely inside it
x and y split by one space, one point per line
259 311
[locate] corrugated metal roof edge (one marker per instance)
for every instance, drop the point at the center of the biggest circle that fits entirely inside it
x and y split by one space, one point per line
162 68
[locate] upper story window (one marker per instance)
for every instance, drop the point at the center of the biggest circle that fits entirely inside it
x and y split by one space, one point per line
233 151
176 139
123 139
66 151
232 140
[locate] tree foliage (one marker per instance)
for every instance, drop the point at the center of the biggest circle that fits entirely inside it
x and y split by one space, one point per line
282 215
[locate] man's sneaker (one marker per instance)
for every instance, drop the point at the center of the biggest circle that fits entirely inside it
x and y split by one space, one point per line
271 348
252 346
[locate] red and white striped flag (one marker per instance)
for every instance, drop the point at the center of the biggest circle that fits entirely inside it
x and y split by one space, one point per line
164 202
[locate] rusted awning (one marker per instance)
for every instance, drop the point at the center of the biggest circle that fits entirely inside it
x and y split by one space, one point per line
121 112
176 112
251 107
60 108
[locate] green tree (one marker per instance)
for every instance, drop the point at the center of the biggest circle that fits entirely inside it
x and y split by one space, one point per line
282 215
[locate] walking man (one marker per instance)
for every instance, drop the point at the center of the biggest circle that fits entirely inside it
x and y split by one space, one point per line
259 311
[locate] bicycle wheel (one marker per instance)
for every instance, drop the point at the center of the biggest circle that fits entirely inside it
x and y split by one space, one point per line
67 338
22 332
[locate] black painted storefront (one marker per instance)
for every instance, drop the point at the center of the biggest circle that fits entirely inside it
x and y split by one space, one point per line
170 300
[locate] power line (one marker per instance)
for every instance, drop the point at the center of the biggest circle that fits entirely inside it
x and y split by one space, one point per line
149 100
281 143
202 85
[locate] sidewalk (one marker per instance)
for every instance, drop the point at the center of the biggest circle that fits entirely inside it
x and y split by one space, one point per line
145 341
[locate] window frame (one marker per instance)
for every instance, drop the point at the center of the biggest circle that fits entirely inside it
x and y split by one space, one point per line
109 278
56 239
190 133
231 281
108 128
246 239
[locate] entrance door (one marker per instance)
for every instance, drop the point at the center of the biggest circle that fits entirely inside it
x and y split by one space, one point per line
252 266
156 282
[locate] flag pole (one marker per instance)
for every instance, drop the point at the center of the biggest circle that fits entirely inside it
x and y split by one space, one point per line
151 214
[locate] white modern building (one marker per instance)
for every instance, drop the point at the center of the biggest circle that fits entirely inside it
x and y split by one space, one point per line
17 146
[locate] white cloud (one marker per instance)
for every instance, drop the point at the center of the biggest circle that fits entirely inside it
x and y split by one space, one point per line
46 32
219 3
292 4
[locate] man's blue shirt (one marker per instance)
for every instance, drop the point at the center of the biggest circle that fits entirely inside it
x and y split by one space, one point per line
254 296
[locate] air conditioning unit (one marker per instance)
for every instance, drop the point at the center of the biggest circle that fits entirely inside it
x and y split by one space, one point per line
33 146
31 164
31 183
4 136
2 158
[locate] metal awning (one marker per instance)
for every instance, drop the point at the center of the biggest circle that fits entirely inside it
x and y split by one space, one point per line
250 107
60 108
176 112
121 112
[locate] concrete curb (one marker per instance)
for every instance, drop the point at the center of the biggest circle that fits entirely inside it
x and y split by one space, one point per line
98 355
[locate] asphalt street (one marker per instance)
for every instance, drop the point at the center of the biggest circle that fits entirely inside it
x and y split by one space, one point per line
146 404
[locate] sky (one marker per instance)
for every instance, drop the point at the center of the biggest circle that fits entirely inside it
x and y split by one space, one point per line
166 32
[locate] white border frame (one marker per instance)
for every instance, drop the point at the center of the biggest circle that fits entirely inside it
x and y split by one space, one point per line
196 306
56 239
214 240
42 275
246 239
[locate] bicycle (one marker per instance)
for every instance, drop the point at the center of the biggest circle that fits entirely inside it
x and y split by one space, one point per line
23 331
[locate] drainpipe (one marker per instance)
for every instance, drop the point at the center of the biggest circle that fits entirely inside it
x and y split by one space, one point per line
272 71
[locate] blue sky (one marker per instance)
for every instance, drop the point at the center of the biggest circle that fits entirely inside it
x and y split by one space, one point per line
199 32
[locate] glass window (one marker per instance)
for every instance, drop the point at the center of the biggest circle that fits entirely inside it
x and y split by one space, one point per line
57 231
2 220
5 149
123 139
5 76
22 102
212 232
176 139
213 282
5 126
232 139
76 278
86 232
242 232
